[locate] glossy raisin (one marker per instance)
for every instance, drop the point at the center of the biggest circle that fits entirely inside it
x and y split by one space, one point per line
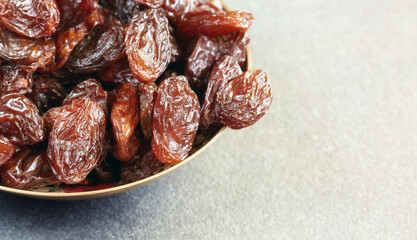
76 141
28 53
148 46
7 150
235 46
175 120
27 170
150 3
73 12
124 10
125 118
179 10
101 47
47 93
147 98
223 71
203 53
244 100
216 24
15 79
141 166
118 73
90 88
30 18
20 122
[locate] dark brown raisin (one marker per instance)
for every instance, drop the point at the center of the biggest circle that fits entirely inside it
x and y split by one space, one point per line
118 73
141 166
47 93
124 10
90 88
15 79
73 12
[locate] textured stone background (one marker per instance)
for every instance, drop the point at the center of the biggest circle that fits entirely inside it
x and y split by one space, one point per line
335 158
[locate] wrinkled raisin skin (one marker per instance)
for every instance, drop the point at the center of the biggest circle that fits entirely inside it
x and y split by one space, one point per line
201 60
76 141
125 118
20 122
141 166
244 100
7 150
150 3
47 93
28 53
118 73
73 12
15 79
148 45
124 10
147 100
101 47
90 88
27 170
223 71
236 46
30 18
216 24
175 120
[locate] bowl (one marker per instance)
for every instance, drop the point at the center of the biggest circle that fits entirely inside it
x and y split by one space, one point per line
79 192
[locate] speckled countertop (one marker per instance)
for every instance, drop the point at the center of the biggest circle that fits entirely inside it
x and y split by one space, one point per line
335 158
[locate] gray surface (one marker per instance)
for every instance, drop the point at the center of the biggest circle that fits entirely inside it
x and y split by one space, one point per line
335 158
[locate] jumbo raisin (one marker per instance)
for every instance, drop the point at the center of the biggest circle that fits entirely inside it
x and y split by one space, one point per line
244 100
73 12
147 97
175 120
90 88
148 46
47 93
76 141
30 18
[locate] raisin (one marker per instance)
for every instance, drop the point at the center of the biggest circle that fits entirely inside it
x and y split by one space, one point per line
244 100
141 166
223 71
47 93
200 61
7 150
175 120
118 73
20 122
148 46
76 141
92 89
27 170
101 47
179 10
108 170
147 97
30 18
235 46
15 79
124 10
216 24
28 53
73 12
125 118
150 3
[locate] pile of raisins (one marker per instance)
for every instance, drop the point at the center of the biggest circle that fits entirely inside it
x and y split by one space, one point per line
112 90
